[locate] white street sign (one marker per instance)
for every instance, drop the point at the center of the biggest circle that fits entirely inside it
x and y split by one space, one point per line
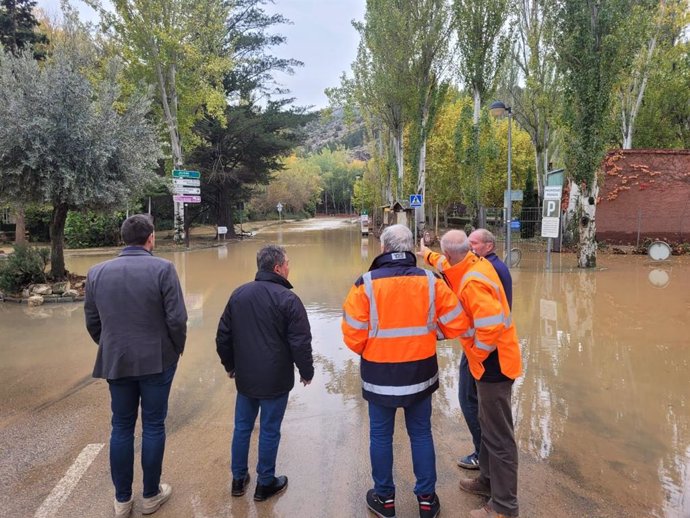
553 192
183 198
549 227
279 207
551 211
187 190
186 182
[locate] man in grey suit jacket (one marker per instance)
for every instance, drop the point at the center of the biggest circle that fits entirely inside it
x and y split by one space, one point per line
135 312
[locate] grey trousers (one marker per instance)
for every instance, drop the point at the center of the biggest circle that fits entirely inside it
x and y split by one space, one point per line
498 455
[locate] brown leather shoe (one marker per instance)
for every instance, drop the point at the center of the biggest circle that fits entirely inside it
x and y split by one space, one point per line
474 486
488 512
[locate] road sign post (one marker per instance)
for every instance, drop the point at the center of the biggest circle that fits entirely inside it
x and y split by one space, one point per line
416 201
280 211
186 189
551 217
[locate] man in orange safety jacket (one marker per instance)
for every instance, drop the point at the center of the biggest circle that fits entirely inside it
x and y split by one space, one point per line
391 317
490 342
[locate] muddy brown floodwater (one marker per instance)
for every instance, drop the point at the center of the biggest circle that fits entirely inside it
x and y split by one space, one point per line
602 411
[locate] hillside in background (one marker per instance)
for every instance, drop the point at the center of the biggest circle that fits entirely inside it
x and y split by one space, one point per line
330 130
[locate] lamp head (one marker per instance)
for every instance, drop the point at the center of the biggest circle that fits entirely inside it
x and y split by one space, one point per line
498 109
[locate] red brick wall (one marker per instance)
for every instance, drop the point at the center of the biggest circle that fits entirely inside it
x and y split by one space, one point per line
645 190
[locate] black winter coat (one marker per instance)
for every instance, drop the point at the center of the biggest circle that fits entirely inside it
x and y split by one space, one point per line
263 331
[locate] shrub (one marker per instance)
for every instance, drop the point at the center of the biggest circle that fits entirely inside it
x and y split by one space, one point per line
25 266
89 229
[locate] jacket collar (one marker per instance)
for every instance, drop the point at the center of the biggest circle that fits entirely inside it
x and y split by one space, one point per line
134 250
455 273
394 259
272 277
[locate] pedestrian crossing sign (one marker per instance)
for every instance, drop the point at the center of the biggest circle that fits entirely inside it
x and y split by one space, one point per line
415 200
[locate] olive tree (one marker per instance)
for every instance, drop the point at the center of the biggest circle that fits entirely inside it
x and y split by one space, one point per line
68 142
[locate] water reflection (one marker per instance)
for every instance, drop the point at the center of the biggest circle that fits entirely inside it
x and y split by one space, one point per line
603 399
605 392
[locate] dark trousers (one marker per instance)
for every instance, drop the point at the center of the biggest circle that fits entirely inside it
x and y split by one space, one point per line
498 456
125 394
469 403
418 423
246 410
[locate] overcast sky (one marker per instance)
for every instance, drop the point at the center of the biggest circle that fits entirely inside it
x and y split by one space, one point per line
321 36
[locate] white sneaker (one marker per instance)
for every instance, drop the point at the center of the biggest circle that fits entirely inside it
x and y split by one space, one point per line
152 504
123 509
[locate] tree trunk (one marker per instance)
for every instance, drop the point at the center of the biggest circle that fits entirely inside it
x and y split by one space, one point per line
399 158
225 212
57 242
20 226
587 246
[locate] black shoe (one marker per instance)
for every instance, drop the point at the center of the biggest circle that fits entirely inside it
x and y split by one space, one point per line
264 492
240 486
384 507
429 506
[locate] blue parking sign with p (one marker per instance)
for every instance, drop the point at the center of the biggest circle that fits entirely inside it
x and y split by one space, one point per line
415 200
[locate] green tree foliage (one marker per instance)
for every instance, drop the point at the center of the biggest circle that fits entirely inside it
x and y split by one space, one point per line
67 142
179 48
382 84
297 186
535 86
483 46
589 47
242 152
338 174
249 37
93 228
18 27
664 116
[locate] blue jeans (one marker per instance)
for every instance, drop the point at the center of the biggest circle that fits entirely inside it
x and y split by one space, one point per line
246 410
469 403
125 393
418 422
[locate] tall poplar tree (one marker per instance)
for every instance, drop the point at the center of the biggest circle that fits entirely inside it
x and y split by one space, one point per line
589 39
483 46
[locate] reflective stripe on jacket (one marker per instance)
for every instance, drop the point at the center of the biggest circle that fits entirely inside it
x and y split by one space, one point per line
390 318
486 318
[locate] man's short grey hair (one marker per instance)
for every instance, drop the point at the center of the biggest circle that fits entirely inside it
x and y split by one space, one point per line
269 257
455 244
397 238
486 237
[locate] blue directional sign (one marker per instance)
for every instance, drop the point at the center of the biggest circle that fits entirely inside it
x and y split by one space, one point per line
416 200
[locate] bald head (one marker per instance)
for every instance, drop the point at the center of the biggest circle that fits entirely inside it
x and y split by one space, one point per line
482 242
455 245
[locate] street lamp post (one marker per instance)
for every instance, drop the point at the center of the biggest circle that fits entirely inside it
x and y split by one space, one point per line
497 109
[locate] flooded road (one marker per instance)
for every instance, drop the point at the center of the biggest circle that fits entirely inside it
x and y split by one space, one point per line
602 412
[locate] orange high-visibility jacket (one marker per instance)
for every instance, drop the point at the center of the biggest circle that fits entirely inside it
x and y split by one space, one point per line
487 322
390 318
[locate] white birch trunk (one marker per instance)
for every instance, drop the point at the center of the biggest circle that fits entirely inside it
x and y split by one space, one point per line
586 211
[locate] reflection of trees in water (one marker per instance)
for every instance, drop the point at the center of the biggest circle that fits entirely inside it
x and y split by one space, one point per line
343 377
446 399
604 397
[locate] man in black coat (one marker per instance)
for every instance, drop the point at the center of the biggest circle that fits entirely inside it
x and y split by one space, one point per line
135 312
263 332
